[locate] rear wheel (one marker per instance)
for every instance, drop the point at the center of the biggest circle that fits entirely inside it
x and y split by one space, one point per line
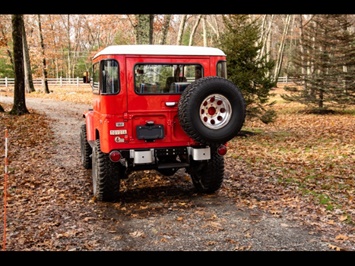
207 176
85 149
105 175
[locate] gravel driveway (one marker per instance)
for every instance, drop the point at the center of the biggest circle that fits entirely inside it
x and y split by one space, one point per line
61 215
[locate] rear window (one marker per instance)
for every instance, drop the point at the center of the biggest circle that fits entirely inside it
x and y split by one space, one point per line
165 78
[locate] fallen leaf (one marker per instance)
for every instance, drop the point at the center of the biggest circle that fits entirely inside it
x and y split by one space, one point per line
341 237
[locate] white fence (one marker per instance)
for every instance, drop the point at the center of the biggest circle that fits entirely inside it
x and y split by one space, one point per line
284 80
6 82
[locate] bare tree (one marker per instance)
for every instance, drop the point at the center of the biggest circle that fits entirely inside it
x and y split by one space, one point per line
19 106
181 29
67 26
204 30
165 29
44 69
193 31
280 53
265 37
214 25
28 72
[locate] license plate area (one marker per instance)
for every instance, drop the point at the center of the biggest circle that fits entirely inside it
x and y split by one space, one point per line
150 132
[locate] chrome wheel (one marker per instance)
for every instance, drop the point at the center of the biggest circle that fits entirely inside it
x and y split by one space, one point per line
215 111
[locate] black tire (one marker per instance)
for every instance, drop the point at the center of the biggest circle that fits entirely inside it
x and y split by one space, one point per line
211 110
105 175
207 176
85 149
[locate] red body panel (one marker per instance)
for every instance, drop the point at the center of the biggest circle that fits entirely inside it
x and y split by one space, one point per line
115 117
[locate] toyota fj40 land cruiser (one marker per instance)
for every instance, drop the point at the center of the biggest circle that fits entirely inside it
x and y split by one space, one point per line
161 107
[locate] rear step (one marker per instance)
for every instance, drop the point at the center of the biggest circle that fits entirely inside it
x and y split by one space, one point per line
172 165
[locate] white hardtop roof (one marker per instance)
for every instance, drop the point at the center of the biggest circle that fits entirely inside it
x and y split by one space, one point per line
150 49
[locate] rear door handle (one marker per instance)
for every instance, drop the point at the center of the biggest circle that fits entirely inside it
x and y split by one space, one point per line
170 104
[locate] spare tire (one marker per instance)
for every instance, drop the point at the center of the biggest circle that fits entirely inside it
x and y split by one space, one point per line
212 110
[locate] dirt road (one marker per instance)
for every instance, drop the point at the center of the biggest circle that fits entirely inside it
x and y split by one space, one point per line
61 215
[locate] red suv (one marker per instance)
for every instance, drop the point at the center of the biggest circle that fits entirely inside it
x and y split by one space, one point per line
161 107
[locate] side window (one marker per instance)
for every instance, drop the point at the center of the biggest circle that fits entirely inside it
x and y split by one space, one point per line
95 84
109 77
222 69
198 72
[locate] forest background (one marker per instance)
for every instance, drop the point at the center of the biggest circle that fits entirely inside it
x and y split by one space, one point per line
315 51
69 41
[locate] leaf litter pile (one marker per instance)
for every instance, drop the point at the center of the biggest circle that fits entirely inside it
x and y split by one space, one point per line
300 166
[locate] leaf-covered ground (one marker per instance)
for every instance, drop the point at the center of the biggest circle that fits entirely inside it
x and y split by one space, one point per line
302 163
301 166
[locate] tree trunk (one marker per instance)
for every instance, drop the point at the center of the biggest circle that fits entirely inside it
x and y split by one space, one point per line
44 69
19 107
181 29
165 28
280 53
215 28
69 48
204 30
144 29
193 31
151 28
28 72
265 35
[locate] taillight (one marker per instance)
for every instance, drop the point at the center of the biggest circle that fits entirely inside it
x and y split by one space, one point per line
115 156
222 150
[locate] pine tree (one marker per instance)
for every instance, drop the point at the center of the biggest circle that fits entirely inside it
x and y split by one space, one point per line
241 44
326 64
